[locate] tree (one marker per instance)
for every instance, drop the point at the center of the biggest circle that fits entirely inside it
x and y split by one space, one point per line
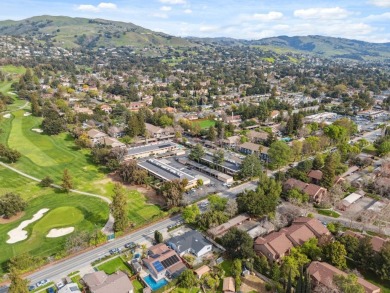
293 262
53 123
158 237
296 149
231 208
238 244
279 153
217 203
311 249
173 191
211 219
119 208
335 253
187 280
11 204
351 245
46 182
329 171
383 262
294 195
261 264
364 254
318 162
348 284
251 167
67 183
18 284
9 154
197 153
190 213
218 158
129 172
261 201
211 134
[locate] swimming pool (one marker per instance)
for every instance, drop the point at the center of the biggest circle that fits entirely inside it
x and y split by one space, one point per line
153 284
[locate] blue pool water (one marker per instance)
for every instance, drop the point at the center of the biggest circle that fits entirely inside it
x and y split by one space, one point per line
153 284
137 255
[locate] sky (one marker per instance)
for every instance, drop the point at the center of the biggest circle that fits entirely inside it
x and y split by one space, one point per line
367 20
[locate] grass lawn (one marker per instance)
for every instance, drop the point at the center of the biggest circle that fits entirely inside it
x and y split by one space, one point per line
227 265
204 123
114 265
76 279
13 69
185 290
328 213
370 149
138 288
87 212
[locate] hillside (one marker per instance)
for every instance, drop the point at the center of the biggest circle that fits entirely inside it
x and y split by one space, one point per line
328 47
71 32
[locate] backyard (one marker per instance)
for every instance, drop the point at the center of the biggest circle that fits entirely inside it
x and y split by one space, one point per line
204 123
114 265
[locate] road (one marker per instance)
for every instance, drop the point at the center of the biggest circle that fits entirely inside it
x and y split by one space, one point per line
61 269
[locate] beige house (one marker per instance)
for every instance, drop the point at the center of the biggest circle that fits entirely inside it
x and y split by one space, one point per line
100 282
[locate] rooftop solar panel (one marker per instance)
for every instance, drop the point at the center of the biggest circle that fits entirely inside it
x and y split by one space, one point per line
170 261
158 266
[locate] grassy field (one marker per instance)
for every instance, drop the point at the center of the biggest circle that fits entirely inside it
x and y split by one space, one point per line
328 213
114 265
138 288
204 123
13 69
87 213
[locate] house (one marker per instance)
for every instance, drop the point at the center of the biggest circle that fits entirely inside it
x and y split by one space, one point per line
315 176
315 192
82 110
190 242
112 142
115 131
106 108
249 148
220 230
376 242
136 265
349 200
70 288
323 273
257 137
96 136
233 119
201 271
228 285
135 106
231 141
159 133
276 245
100 282
162 261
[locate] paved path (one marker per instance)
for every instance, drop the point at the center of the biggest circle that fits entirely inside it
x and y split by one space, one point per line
107 229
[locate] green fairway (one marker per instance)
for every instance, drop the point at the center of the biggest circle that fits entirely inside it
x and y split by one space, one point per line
114 265
89 214
204 123
59 217
13 69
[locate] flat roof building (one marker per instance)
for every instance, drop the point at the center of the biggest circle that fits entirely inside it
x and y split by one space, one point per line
151 149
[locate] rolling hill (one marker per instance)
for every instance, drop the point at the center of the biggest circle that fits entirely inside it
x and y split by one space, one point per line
321 46
71 32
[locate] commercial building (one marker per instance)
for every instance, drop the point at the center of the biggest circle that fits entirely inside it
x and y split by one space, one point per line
165 172
164 148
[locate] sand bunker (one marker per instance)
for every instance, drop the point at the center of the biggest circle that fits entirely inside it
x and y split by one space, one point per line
26 114
37 130
7 115
18 234
54 233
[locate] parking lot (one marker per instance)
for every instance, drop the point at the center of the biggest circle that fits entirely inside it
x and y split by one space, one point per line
214 186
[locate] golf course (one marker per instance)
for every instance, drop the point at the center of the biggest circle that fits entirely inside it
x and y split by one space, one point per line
42 156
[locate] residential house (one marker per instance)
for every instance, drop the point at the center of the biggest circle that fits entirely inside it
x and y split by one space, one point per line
220 230
163 261
69 288
276 245
100 282
82 110
116 132
96 136
228 285
376 242
315 176
231 141
135 106
199 272
323 273
236 120
349 200
159 133
250 148
257 137
190 242
106 108
315 192
112 142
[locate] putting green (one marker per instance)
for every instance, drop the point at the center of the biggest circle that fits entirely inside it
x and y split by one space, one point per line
57 218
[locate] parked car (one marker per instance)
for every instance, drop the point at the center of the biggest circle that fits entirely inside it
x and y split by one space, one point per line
60 285
115 250
31 288
41 283
130 245
50 290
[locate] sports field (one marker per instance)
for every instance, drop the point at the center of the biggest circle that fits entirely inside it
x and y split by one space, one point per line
204 123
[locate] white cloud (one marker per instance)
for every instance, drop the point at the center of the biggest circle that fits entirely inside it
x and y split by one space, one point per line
381 3
208 28
272 15
101 6
378 17
166 8
187 11
322 13
160 15
173 2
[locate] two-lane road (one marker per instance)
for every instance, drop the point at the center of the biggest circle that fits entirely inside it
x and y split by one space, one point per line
61 269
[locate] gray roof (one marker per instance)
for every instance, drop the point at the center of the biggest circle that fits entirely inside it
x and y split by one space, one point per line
191 239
